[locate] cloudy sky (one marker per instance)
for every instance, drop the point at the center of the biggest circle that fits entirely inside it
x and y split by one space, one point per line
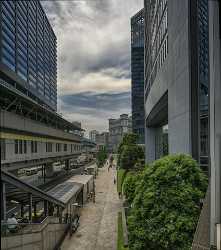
93 58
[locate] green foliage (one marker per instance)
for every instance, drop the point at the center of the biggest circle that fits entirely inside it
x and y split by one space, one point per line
120 244
130 183
165 209
121 173
101 157
130 155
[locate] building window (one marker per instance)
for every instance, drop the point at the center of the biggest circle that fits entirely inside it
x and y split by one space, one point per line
16 146
3 146
48 146
25 147
65 147
34 146
58 147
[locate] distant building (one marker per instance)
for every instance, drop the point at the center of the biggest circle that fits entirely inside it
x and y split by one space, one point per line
28 52
92 135
117 129
102 140
137 74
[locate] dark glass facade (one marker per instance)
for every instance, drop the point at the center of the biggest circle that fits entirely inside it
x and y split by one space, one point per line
156 39
137 74
28 51
203 61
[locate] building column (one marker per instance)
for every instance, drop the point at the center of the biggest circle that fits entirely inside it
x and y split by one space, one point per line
215 121
45 208
30 208
67 165
22 210
150 144
3 203
35 209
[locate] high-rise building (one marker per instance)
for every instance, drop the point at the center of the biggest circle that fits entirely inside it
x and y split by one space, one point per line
28 51
92 135
176 78
177 87
137 74
117 129
102 140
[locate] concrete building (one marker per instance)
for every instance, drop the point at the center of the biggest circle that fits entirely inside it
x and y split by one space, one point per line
182 93
92 135
28 51
102 141
117 129
176 78
137 74
215 123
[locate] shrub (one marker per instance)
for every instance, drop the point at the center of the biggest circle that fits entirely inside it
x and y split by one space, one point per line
165 209
129 186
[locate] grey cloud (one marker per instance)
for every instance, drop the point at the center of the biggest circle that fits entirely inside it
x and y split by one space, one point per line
93 56
90 101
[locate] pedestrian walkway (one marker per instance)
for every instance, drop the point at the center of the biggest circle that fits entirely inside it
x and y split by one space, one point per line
98 222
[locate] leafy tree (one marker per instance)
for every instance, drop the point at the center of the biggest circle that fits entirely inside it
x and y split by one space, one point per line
101 157
128 139
165 208
130 155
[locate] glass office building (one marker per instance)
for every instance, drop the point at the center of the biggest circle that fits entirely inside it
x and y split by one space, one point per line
28 51
137 74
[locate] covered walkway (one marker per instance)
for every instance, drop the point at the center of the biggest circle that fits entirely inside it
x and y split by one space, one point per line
98 221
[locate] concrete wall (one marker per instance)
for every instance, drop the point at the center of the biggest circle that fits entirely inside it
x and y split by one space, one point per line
10 120
174 77
11 157
215 118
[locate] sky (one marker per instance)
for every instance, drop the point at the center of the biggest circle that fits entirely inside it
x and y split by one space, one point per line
93 40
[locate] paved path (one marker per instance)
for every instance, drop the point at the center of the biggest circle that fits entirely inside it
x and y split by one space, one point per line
98 222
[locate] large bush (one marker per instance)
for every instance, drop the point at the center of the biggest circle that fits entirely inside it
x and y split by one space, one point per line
165 209
130 183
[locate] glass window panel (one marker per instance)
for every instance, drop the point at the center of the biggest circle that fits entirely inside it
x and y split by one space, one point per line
9 63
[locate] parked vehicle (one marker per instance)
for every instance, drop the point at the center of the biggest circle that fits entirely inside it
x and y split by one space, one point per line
31 171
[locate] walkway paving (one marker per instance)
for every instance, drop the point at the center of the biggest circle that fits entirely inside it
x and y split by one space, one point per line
98 222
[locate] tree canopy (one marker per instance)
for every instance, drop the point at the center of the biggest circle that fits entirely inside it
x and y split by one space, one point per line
165 208
129 153
101 157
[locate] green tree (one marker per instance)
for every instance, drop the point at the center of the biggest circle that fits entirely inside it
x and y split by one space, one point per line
165 208
130 155
128 139
101 157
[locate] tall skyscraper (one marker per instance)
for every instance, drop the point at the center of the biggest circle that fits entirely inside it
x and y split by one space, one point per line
137 74
28 51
